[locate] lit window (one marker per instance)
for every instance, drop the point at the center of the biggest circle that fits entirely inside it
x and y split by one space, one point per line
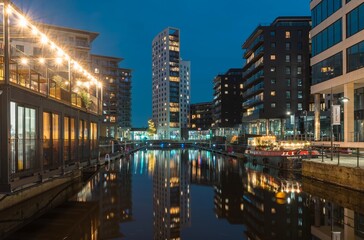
299 58
273 57
288 34
226 92
299 106
299 82
273 93
273 105
272 69
273 81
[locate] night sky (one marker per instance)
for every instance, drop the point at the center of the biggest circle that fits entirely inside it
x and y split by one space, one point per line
212 33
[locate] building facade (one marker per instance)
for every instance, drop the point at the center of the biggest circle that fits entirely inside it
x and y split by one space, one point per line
226 107
124 102
276 76
116 95
201 116
50 103
338 68
170 85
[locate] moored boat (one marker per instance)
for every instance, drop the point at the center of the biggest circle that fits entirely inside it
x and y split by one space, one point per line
286 155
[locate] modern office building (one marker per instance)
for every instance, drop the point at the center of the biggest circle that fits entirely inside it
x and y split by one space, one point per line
226 107
276 76
338 68
170 85
50 103
116 95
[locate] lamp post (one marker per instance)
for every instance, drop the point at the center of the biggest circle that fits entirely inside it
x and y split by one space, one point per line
305 123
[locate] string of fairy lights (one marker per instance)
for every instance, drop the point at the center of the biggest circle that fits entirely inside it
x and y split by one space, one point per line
61 55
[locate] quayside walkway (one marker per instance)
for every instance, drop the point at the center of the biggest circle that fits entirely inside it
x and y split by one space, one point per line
346 170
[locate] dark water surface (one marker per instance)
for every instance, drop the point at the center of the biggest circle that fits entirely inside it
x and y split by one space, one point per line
192 194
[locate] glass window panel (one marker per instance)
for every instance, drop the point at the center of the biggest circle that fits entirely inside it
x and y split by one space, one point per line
13 136
66 137
47 143
20 131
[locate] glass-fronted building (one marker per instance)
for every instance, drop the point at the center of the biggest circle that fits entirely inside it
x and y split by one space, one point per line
338 68
50 103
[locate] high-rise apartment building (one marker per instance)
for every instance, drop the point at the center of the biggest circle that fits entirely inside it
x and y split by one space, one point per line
124 101
170 86
226 107
116 95
276 76
338 67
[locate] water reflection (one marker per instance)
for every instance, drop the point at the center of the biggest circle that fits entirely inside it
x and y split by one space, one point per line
155 195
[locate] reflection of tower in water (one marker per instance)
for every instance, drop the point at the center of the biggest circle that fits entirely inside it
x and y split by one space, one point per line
171 193
228 199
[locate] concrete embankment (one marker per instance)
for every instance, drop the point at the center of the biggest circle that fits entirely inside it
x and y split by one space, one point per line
345 176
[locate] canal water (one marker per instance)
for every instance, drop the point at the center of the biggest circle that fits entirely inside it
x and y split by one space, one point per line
193 194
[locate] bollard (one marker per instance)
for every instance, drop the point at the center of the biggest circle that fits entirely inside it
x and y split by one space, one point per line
322 154
357 157
338 157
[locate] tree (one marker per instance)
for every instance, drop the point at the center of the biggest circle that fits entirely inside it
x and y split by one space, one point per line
151 127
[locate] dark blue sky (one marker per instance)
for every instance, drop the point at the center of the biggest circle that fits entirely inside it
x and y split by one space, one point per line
212 33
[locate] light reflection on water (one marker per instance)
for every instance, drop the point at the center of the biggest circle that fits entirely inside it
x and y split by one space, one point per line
192 194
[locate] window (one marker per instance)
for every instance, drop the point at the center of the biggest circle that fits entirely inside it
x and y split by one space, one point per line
288 70
288 34
299 70
324 10
273 105
20 48
51 136
288 80
299 106
273 81
288 107
327 38
299 33
299 46
355 21
23 134
273 57
299 58
355 55
272 69
37 51
299 94
329 68
288 58
288 94
273 45
288 46
272 93
299 82
272 33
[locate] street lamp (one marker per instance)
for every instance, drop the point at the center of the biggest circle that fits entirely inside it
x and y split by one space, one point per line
305 123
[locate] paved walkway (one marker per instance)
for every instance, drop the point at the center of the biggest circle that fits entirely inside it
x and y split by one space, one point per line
346 160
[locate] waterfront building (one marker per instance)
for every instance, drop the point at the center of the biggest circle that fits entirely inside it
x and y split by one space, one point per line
116 108
200 120
170 85
124 102
338 69
226 107
276 76
50 102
